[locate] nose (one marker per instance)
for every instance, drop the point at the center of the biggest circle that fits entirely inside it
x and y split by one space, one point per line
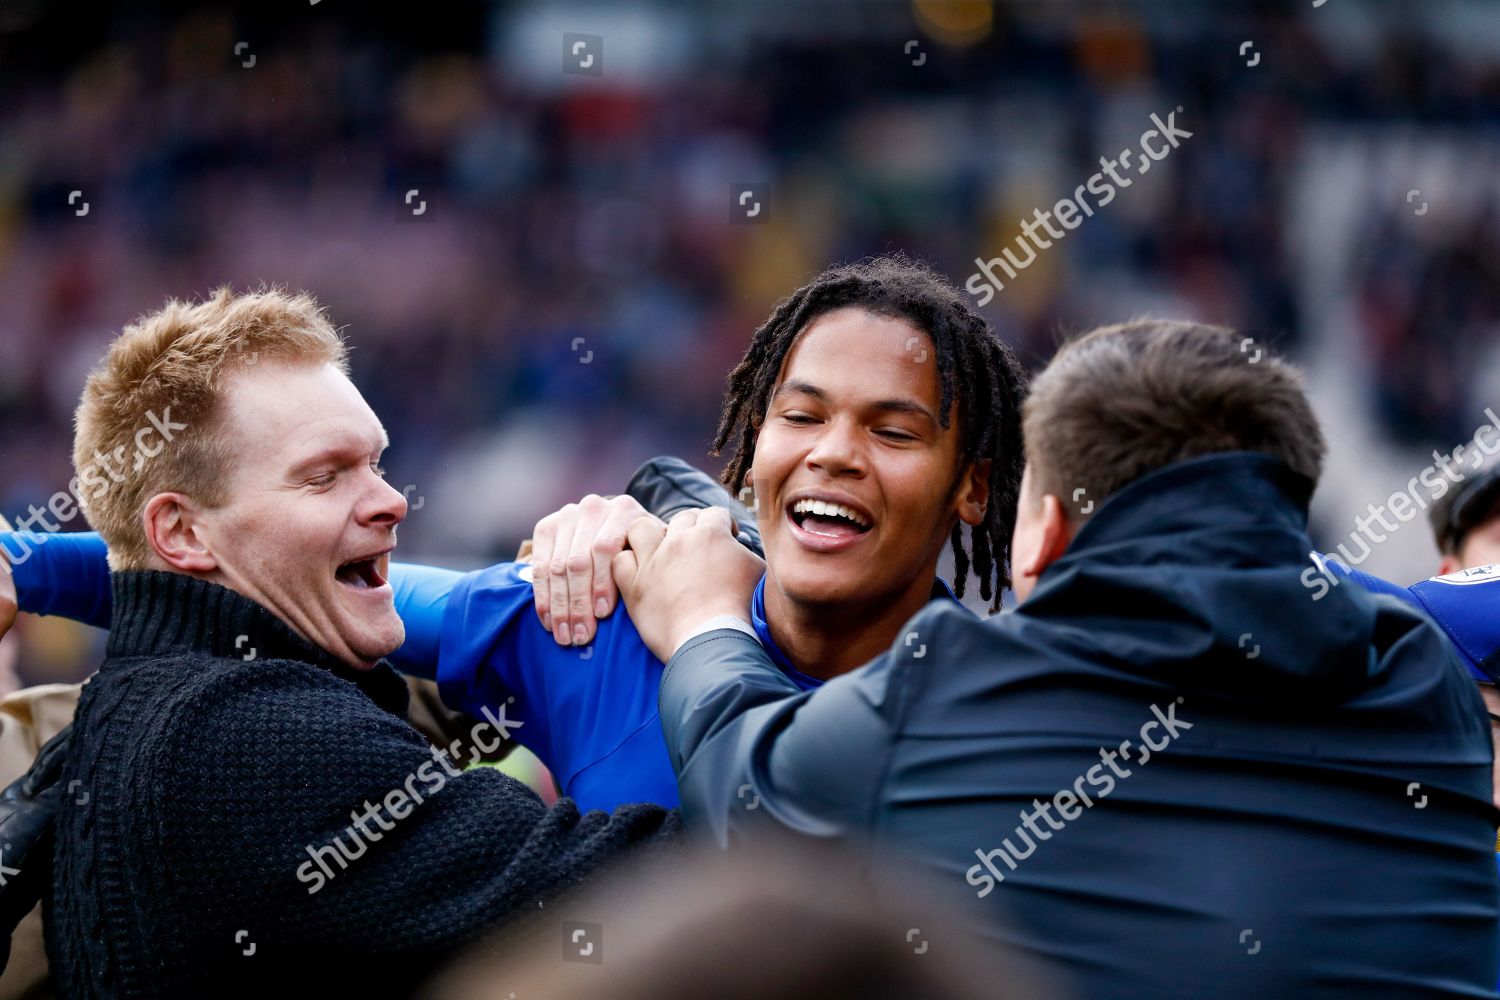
384 506
838 450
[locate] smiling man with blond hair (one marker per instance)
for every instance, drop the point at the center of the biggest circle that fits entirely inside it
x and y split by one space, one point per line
251 804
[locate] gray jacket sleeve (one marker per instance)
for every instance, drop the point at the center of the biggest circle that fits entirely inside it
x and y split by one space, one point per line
750 748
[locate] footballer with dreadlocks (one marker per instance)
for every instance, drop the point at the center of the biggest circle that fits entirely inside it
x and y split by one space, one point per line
874 416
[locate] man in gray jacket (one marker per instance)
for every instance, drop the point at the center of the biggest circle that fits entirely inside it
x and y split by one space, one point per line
1173 771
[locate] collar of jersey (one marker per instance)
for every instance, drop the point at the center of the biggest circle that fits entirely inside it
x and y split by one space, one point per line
940 592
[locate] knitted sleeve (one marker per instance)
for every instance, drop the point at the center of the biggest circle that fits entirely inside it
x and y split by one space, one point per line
303 818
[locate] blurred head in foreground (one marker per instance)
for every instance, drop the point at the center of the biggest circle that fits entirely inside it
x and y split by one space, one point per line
787 923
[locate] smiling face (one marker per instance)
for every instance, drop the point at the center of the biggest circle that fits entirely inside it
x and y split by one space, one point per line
309 522
857 483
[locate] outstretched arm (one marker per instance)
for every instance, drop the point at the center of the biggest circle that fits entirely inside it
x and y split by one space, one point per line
747 745
59 574
750 748
576 543
68 575
463 851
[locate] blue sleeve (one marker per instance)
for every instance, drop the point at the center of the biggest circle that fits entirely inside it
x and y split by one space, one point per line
1374 584
421 596
1462 604
67 574
588 712
64 573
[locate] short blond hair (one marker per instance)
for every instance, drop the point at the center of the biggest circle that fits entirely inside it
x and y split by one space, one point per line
162 381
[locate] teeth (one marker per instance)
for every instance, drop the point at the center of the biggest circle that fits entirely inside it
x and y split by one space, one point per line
828 509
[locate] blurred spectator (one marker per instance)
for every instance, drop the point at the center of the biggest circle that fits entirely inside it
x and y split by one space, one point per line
1466 522
787 923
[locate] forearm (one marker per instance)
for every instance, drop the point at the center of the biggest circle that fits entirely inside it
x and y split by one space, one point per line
749 747
709 684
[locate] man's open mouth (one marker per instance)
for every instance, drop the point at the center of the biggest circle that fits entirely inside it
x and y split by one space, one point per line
364 574
828 518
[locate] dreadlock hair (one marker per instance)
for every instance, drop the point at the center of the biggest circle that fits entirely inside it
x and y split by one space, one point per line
974 366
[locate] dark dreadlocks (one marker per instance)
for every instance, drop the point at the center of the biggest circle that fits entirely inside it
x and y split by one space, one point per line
974 367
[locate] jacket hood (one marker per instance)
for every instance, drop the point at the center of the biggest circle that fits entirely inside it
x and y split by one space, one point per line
1198 574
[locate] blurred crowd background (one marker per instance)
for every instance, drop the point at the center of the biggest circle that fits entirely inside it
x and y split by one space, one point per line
562 295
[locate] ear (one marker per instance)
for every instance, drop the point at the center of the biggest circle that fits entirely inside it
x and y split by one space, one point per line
1051 541
173 526
974 492
1449 564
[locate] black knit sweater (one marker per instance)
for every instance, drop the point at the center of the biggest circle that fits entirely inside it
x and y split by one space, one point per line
206 789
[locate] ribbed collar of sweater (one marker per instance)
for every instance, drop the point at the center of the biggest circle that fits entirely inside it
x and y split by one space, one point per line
170 614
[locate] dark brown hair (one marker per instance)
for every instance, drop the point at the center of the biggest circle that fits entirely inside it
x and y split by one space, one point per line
1125 400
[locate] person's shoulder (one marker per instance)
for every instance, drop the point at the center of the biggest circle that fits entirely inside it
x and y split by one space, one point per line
168 713
278 681
948 631
498 579
482 604
1466 607
267 704
294 731
943 640
946 654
